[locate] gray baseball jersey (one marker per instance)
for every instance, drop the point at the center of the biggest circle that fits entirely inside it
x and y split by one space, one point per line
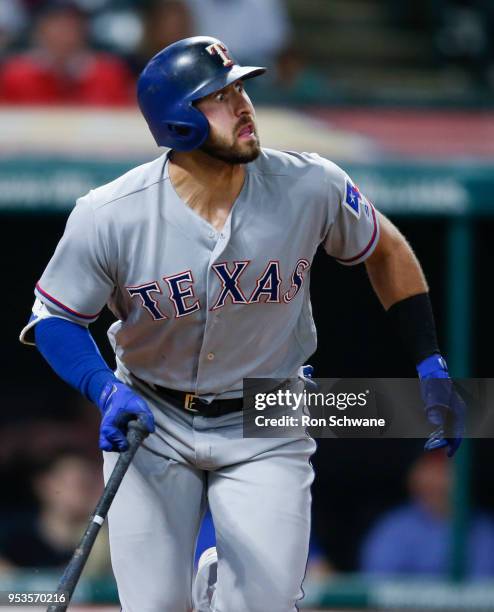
199 310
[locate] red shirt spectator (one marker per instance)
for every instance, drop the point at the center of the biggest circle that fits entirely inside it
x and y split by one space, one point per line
61 68
92 79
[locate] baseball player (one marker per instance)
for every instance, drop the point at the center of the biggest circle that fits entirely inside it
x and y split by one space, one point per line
203 255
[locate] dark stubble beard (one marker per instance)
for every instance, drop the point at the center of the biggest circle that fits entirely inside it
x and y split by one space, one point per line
233 154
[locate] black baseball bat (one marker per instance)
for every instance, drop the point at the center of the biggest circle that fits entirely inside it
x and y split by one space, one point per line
136 434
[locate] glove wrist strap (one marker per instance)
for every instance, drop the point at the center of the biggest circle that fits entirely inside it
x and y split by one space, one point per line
433 367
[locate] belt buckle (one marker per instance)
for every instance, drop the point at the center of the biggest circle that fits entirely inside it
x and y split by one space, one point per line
189 402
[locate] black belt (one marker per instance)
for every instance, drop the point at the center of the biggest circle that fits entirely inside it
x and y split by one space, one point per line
192 403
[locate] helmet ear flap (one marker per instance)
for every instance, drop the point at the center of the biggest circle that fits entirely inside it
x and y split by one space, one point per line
179 131
186 135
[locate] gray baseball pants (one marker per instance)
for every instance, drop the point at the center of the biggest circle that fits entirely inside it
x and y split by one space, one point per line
258 490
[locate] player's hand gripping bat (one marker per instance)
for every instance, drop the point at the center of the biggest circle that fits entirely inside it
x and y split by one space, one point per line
137 432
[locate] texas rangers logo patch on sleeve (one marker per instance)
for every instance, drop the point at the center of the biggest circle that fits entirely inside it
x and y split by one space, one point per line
353 199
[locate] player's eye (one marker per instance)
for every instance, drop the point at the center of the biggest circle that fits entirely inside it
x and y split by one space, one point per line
220 96
239 86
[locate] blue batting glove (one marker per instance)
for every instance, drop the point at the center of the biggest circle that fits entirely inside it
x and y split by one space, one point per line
308 371
119 405
443 406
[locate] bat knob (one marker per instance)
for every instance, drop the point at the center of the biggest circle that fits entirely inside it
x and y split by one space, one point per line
138 426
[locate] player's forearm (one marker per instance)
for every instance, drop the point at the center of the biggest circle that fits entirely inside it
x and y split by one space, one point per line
399 282
394 271
396 276
71 352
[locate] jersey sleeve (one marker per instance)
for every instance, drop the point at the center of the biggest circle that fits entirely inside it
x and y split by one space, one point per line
77 281
39 312
354 229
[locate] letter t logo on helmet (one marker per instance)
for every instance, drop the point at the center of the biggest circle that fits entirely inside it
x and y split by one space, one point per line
175 78
222 51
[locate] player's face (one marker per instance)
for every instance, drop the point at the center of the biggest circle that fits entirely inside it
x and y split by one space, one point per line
233 133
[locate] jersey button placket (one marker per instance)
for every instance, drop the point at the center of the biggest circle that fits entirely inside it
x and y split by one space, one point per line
208 361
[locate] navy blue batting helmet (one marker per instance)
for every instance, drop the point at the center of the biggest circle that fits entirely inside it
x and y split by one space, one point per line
175 78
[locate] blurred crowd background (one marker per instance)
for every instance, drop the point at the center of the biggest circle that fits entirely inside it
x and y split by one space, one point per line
90 51
409 83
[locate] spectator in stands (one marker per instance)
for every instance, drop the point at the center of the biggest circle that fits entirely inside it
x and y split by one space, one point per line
291 81
92 7
67 487
12 22
256 30
61 68
415 538
164 22
462 37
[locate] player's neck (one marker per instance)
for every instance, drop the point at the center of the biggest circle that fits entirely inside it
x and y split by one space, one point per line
202 169
208 186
